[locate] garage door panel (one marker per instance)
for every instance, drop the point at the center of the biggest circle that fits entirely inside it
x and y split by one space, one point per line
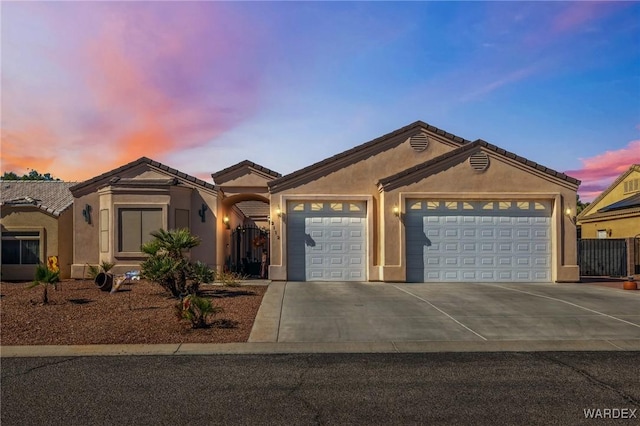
469 261
468 275
451 233
487 233
451 261
505 261
494 243
334 241
469 247
485 261
542 234
486 247
541 262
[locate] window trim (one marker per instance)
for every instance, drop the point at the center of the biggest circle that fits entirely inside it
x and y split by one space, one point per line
116 226
40 238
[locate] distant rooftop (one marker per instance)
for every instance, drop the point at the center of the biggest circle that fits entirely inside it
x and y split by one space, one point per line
51 196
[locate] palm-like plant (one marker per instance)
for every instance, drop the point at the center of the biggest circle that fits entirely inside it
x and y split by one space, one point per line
104 266
168 265
45 277
196 310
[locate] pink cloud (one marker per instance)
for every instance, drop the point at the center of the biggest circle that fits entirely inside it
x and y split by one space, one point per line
503 80
598 172
131 79
577 14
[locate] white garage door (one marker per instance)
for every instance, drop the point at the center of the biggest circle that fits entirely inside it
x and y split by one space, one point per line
478 241
326 241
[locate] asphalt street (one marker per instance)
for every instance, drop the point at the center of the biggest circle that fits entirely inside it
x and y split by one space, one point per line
435 388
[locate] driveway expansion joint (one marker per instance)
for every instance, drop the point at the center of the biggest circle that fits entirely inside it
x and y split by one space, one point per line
568 303
442 312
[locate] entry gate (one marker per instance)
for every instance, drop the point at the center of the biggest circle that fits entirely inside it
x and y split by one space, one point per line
602 257
247 246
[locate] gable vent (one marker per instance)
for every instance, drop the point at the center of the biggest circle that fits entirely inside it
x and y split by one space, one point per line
479 161
419 142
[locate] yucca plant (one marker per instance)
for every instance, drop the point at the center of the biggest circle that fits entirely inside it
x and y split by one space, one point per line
168 265
196 310
45 277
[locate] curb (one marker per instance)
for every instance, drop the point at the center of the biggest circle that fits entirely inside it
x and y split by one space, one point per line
310 348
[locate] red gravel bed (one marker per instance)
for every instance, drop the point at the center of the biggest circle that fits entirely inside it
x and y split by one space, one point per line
79 313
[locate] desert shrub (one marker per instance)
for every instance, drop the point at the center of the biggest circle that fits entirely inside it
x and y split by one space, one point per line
168 265
196 310
45 277
230 279
94 270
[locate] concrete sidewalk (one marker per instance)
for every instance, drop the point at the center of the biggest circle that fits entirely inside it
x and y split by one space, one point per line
300 347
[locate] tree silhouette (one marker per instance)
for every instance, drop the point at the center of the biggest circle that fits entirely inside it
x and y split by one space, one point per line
32 175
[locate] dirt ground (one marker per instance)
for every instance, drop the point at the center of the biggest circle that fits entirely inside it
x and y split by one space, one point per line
79 313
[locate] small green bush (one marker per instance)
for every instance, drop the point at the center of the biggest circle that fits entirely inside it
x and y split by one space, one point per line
196 310
229 279
94 270
45 277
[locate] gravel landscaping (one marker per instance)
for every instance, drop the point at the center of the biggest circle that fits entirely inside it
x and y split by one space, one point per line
79 313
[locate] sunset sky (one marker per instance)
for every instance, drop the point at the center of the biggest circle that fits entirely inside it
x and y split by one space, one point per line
200 86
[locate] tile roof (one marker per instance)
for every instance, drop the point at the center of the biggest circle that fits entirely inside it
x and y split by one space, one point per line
143 160
51 196
388 181
245 163
253 209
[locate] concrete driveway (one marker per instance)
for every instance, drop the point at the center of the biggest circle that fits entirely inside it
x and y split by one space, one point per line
446 312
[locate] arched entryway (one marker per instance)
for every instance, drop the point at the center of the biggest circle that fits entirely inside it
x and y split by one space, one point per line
248 247
246 234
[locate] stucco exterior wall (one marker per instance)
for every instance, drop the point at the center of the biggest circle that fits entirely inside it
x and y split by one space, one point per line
206 252
621 227
65 243
86 236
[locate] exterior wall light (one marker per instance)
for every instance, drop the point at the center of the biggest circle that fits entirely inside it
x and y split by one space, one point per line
225 220
571 218
396 211
278 211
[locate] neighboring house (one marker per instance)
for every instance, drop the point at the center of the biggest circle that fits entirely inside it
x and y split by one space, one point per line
616 212
422 205
126 204
36 219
